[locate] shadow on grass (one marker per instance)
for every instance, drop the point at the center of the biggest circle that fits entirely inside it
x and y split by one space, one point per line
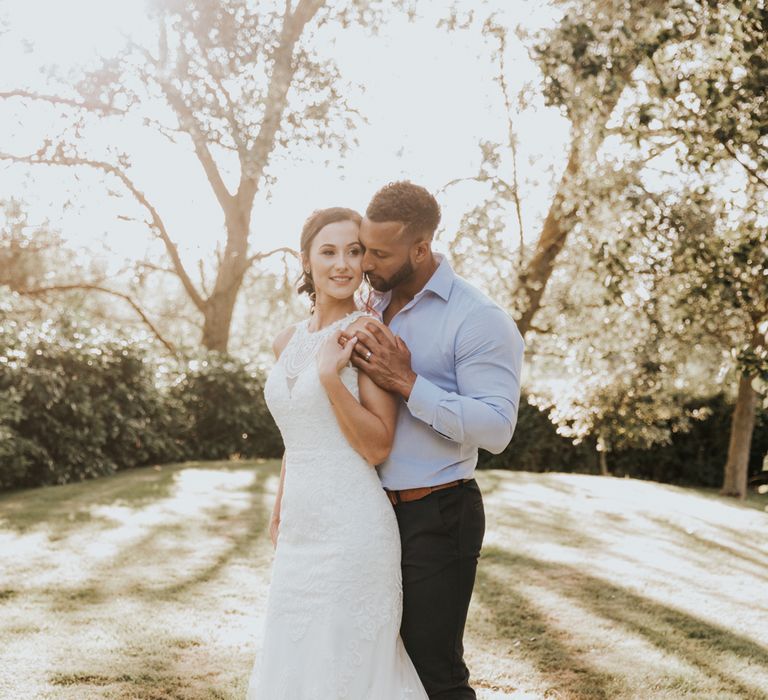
703 546
528 634
60 509
491 479
148 666
243 532
160 684
701 644
550 523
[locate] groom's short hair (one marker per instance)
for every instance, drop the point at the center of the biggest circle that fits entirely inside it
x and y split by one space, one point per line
409 203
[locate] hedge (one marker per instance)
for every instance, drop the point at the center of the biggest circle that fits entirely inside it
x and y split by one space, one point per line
76 404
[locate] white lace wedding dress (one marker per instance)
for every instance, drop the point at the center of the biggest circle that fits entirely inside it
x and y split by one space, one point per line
335 599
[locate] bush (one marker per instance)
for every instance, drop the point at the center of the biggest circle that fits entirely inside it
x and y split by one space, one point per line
77 404
696 457
224 411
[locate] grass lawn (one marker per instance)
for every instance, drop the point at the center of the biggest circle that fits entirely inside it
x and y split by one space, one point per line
151 584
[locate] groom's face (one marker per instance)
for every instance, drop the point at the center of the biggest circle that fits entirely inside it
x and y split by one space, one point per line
387 259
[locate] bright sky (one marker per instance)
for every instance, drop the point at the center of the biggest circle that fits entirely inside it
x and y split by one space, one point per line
429 99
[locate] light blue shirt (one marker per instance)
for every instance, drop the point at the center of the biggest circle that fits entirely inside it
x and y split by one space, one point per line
468 355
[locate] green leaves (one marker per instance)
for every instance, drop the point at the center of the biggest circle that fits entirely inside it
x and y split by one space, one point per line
76 403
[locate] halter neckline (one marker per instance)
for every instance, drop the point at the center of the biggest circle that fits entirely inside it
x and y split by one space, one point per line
332 324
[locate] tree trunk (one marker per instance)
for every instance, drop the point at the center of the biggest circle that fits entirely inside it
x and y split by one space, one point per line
218 319
742 425
603 460
220 305
533 281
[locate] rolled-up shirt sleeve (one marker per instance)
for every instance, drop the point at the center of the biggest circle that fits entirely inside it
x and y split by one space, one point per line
483 412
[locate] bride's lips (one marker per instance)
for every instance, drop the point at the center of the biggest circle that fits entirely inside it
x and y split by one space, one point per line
341 280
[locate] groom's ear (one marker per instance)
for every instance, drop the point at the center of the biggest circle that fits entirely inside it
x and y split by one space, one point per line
422 248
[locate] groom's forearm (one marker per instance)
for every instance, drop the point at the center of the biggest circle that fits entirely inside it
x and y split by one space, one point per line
486 422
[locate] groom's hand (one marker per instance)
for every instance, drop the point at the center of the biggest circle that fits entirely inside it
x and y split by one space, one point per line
385 358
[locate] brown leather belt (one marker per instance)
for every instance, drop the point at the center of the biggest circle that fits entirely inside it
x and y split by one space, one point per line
407 495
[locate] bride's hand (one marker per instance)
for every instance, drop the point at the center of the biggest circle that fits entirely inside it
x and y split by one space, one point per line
274 527
332 357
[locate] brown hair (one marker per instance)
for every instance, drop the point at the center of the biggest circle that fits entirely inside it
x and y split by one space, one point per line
317 220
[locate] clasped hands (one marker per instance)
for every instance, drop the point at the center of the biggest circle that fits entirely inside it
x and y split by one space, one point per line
383 356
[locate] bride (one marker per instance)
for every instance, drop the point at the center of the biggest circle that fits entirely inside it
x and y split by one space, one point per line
335 601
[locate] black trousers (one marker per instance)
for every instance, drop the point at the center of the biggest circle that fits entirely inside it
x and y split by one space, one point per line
441 537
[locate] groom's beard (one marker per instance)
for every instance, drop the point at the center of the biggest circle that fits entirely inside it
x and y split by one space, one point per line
380 284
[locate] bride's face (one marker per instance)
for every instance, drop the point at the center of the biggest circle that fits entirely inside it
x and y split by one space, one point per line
336 260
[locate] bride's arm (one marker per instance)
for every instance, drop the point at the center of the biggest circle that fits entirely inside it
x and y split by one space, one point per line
368 424
274 522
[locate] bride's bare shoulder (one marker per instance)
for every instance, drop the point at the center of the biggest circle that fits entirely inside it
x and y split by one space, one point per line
282 339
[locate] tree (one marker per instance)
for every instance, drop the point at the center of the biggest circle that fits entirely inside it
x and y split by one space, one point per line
729 271
687 77
32 261
236 81
588 62
709 97
618 361
701 268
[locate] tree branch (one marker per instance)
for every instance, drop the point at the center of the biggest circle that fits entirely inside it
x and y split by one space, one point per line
261 256
203 284
236 279
190 124
156 268
283 68
752 171
90 105
156 222
512 144
95 287
538 329
457 180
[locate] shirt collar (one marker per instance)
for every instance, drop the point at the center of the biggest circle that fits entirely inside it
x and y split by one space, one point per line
442 279
440 284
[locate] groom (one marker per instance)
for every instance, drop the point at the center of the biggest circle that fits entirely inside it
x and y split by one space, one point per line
455 359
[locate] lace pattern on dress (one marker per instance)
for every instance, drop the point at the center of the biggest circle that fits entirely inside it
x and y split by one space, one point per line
303 346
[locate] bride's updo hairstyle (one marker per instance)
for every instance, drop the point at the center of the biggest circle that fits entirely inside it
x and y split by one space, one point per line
312 226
